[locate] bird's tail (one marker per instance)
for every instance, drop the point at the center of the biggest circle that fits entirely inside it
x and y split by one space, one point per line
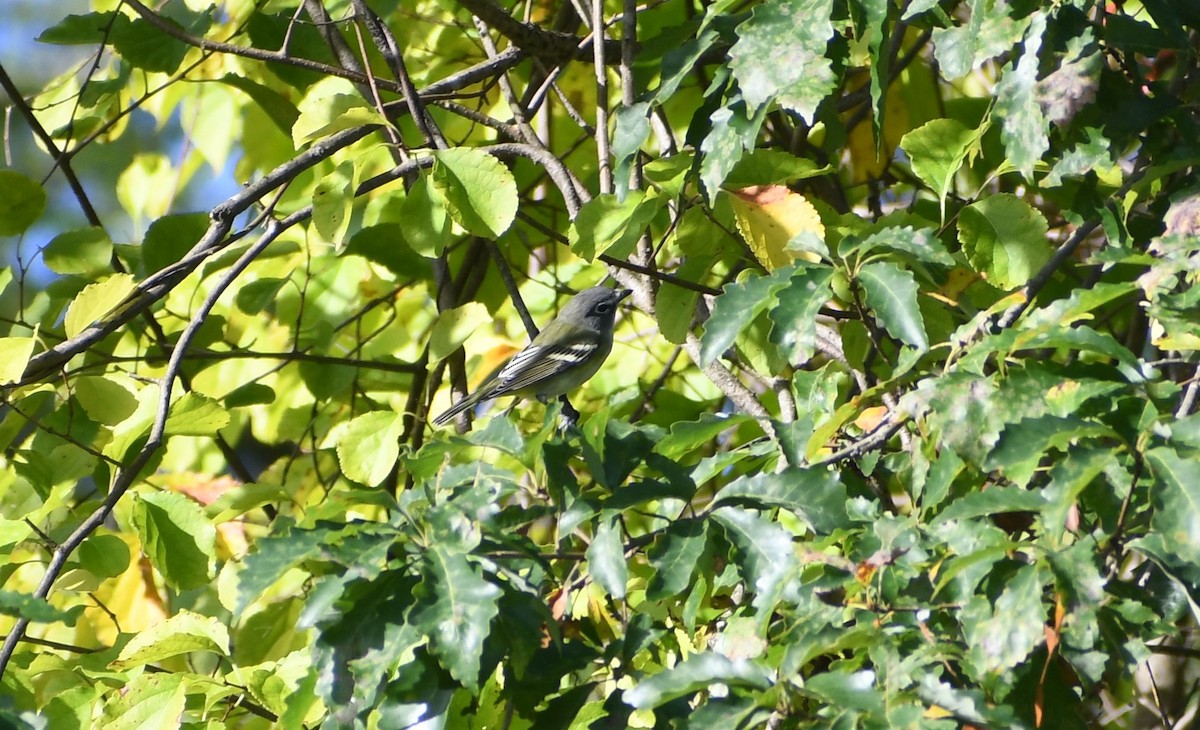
471 400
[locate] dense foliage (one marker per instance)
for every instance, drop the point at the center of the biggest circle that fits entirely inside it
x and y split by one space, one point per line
898 430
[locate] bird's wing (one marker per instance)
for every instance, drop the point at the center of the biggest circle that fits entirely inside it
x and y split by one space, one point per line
538 362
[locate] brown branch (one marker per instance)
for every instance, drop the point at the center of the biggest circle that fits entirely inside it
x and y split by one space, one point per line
547 44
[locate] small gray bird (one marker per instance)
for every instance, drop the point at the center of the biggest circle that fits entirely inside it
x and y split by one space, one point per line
561 358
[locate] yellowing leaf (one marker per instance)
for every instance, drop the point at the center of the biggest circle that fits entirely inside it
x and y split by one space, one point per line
870 418
97 300
770 217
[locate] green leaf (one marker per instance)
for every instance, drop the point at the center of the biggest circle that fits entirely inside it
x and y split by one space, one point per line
453 326
321 116
96 301
852 690
275 555
989 32
196 415
177 537
456 612
1004 238
333 203
694 674
937 149
250 394
387 245
767 555
147 47
1092 155
815 494
14 356
426 225
88 29
771 167
256 296
149 700
21 202
631 128
921 243
722 148
1176 499
182 633
892 296
606 558
1023 126
83 251
1022 444
736 308
675 557
369 445
1002 636
993 500
38 610
780 55
477 189
170 237
794 318
685 436
277 107
104 556
605 223
243 498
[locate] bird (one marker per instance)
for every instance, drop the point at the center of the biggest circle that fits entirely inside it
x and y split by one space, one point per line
562 357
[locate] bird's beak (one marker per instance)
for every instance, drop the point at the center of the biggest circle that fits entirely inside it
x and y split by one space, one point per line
623 293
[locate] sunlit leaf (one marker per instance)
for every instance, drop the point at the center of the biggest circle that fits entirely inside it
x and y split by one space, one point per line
1004 238
477 189
96 301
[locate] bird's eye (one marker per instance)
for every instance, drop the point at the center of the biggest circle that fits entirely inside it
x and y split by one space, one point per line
603 308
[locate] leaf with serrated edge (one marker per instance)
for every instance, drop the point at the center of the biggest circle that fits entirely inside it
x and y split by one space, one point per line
182 633
892 296
457 613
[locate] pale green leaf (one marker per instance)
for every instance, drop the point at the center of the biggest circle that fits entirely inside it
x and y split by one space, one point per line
150 700
479 192
106 399
369 445
96 301
937 150
1023 126
182 633
196 415
453 326
321 116
605 223
333 203
14 356
780 55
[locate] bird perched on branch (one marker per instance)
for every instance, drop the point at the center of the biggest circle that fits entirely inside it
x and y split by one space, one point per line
561 358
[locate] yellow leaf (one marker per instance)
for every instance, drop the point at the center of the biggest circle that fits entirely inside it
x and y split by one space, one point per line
769 217
870 418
